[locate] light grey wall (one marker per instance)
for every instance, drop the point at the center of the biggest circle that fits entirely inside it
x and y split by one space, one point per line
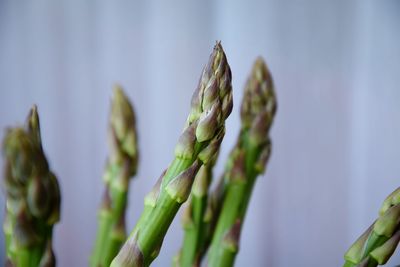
336 143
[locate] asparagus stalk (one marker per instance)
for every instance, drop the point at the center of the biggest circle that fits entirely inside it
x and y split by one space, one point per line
195 219
32 197
247 160
120 167
211 105
213 208
377 244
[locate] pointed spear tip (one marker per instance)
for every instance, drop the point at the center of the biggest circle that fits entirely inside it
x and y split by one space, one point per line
117 90
218 46
259 95
121 102
122 128
34 109
32 124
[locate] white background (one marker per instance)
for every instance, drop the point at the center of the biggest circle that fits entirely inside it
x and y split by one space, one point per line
336 148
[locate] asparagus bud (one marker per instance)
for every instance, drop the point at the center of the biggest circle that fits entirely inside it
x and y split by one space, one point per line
259 95
123 136
210 106
33 197
33 125
377 244
120 167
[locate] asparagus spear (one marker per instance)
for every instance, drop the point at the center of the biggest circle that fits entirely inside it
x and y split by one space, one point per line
197 145
377 244
32 197
120 167
247 160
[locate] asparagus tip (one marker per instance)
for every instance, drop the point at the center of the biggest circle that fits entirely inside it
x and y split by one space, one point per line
32 126
259 95
123 136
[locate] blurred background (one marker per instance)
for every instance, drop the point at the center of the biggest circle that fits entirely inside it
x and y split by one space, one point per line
336 148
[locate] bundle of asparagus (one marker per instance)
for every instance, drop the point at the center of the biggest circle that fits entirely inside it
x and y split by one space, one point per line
120 167
377 244
197 146
211 221
33 197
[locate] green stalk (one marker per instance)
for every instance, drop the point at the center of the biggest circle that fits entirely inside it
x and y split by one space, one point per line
213 209
194 221
376 245
224 246
9 222
121 166
29 257
247 160
151 233
33 197
198 144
